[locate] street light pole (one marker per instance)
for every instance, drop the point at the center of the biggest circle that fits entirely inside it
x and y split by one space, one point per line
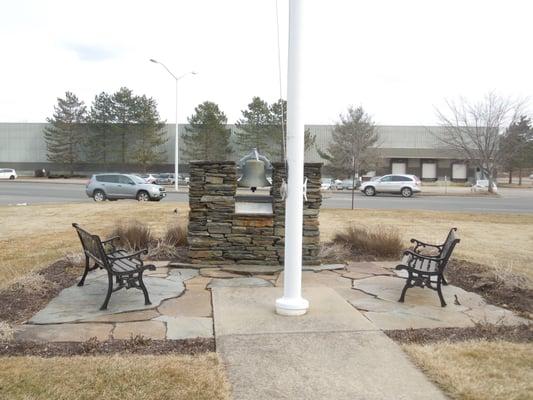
176 148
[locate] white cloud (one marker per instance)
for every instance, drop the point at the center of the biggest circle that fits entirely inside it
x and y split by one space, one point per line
397 59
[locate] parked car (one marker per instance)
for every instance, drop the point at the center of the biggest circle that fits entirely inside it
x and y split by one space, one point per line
337 184
8 173
348 184
148 178
165 179
405 185
123 186
326 184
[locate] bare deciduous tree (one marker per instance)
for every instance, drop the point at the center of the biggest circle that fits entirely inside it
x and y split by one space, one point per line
474 130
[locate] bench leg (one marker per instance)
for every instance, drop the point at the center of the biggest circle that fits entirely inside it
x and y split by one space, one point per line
444 281
439 291
82 281
143 288
407 286
109 291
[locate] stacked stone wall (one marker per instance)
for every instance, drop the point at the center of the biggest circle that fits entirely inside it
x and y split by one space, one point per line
217 235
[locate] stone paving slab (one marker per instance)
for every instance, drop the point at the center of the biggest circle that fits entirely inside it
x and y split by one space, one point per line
147 329
238 282
83 303
253 269
132 316
182 274
325 278
321 365
421 309
193 303
252 311
187 327
218 273
323 267
63 332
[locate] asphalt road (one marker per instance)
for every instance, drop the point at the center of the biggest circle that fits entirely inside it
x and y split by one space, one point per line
510 200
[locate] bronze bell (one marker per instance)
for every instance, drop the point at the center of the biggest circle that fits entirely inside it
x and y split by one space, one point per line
253 175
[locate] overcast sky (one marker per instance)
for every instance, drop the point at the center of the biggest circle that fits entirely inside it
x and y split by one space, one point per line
398 59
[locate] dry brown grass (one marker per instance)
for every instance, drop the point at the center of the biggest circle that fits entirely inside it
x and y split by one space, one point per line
478 370
494 240
377 241
176 235
32 237
134 235
113 378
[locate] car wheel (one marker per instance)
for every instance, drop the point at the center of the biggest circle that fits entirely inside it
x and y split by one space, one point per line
370 191
99 196
12 177
143 196
407 192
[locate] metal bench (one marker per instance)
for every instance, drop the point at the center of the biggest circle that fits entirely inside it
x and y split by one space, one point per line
421 268
123 268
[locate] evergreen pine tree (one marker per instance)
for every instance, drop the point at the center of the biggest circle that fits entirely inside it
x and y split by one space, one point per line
148 148
353 141
254 129
124 103
101 144
207 137
66 132
278 116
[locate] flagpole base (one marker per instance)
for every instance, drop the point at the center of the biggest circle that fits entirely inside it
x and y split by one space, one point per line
291 306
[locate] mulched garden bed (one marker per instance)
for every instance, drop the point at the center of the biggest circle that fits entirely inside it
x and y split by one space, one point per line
137 345
23 299
519 333
478 279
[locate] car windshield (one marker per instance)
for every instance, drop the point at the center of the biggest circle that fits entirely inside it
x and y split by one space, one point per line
137 179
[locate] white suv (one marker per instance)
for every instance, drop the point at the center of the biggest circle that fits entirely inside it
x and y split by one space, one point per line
405 185
8 173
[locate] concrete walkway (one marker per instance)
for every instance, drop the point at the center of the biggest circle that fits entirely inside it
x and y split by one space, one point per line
333 352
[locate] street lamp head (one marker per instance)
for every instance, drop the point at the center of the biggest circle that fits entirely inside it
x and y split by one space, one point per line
194 72
154 61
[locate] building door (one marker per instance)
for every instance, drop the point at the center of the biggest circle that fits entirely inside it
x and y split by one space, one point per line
398 168
429 171
459 171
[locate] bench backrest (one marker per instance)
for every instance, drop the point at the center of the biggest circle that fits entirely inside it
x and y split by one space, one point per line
92 246
448 246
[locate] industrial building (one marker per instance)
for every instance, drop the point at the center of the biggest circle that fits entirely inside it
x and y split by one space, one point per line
402 149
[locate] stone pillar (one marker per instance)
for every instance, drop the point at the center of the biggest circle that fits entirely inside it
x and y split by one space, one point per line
311 229
212 190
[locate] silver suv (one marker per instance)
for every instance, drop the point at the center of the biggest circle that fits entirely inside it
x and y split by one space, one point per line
405 185
122 186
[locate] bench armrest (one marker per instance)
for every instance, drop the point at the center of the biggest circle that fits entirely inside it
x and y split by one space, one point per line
419 243
131 255
110 239
421 256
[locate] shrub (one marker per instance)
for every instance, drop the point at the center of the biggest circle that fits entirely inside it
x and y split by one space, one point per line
379 241
176 235
134 235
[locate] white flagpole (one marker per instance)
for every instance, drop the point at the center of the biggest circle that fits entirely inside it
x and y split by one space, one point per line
292 303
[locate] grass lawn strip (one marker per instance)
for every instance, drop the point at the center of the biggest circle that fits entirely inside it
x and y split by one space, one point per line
114 378
478 369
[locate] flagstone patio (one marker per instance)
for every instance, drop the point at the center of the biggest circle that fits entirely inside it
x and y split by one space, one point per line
182 308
